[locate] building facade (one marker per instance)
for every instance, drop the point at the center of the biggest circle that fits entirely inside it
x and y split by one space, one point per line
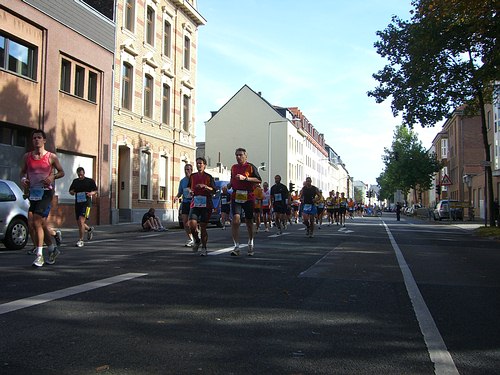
153 133
56 75
279 141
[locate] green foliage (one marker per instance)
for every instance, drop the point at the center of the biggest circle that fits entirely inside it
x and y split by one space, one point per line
407 165
446 56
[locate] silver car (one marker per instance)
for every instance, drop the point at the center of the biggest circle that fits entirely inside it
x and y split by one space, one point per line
13 216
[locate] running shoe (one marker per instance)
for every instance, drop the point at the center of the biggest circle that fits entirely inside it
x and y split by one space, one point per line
79 243
266 230
53 255
38 261
250 250
203 252
307 232
235 252
196 246
189 243
90 233
58 238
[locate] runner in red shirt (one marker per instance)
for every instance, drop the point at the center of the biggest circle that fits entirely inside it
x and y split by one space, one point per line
202 187
244 176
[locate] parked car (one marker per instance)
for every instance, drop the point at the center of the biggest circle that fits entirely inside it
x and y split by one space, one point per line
448 209
13 216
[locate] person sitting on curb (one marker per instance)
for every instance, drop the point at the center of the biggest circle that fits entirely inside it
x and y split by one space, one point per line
151 222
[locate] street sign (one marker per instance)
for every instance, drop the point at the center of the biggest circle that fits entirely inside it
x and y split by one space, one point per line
446 181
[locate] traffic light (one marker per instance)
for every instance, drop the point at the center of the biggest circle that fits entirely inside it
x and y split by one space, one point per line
291 186
369 194
438 189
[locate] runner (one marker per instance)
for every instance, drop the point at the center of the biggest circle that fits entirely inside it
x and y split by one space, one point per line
257 209
225 206
202 187
37 174
184 192
279 199
295 207
83 188
350 208
329 204
266 206
243 177
309 211
343 208
320 204
336 207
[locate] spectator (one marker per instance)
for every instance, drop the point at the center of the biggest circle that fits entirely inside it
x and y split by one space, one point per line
151 222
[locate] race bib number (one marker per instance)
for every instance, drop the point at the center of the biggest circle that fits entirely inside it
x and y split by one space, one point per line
223 200
36 194
81 197
307 208
186 193
265 202
277 197
200 201
241 196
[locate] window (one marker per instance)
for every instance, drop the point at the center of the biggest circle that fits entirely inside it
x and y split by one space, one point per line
148 96
127 86
17 57
162 178
444 148
79 81
92 89
145 173
129 15
185 112
187 52
165 113
65 76
150 26
167 38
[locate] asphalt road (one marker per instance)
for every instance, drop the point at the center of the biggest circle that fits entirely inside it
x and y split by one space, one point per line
376 297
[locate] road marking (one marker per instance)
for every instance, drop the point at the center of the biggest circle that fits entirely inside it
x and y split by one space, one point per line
443 363
225 250
58 294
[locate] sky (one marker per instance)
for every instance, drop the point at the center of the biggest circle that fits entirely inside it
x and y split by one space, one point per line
315 55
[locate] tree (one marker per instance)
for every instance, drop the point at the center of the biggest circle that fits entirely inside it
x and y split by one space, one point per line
407 165
446 56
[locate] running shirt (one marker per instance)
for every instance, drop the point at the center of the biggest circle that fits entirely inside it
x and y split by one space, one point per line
279 193
259 196
38 170
243 190
184 191
81 187
308 194
201 197
266 200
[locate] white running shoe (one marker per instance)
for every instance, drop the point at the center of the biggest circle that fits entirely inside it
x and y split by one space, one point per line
79 243
38 262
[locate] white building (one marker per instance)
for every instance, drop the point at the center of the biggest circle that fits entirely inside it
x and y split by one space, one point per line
280 139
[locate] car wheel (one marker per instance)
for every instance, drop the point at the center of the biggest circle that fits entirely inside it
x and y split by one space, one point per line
16 236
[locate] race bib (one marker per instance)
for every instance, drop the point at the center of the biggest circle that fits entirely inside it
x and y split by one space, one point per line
265 202
200 201
307 208
81 197
186 193
277 197
241 196
321 205
223 200
36 194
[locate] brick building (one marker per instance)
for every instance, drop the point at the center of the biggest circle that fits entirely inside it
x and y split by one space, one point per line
154 104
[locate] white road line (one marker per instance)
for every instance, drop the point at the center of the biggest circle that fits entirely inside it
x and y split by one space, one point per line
51 296
443 363
225 250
